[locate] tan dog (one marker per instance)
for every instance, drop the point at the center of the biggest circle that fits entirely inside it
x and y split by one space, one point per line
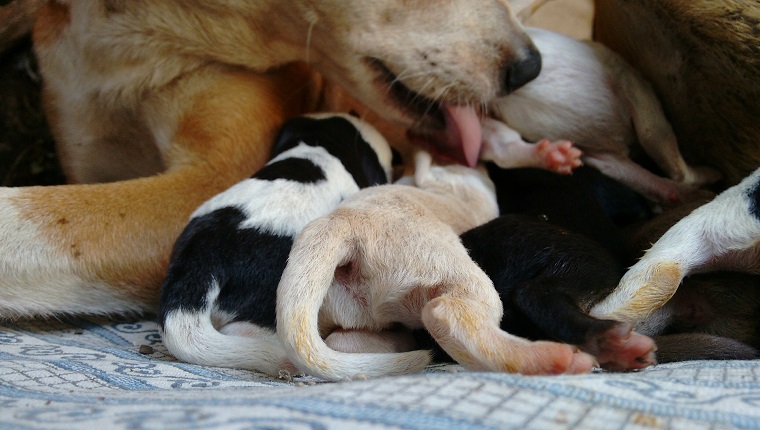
161 105
391 255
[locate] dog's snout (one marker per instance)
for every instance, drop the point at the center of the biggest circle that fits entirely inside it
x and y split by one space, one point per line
519 73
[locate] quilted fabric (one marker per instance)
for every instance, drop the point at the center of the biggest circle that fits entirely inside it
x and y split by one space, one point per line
97 373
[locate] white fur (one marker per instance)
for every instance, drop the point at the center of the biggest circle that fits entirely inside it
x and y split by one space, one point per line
195 339
285 207
721 235
589 95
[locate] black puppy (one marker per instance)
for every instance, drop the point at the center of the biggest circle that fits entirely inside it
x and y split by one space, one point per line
217 304
552 254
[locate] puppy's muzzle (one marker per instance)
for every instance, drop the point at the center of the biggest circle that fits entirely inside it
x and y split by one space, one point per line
520 72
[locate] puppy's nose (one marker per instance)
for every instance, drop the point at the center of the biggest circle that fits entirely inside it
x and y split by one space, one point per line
523 71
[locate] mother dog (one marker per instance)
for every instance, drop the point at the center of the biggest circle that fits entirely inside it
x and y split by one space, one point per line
157 106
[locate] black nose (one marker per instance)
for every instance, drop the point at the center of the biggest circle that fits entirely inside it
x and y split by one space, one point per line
523 71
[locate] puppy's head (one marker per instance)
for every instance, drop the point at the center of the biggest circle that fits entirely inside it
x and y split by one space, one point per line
425 64
360 147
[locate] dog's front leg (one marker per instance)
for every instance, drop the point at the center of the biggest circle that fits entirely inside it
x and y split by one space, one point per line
723 234
103 248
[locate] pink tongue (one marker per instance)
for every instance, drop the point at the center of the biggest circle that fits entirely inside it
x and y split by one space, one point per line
463 133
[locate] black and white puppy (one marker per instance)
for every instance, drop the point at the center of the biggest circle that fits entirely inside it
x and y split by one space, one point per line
723 234
217 304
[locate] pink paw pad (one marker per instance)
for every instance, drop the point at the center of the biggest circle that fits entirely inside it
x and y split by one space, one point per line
620 349
560 156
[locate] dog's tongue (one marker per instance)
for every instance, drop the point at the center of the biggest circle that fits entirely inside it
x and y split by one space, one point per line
462 139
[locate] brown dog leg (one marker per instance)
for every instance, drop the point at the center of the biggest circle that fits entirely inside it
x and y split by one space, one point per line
104 248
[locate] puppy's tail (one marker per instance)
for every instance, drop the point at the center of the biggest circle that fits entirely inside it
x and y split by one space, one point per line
322 247
189 334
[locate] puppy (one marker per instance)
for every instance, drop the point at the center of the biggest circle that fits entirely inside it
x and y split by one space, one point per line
723 234
587 94
552 254
711 315
701 58
548 278
391 256
217 302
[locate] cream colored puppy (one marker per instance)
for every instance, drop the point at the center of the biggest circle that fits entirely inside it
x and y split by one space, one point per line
391 256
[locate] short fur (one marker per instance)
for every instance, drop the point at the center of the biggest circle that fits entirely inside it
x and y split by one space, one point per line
548 279
723 234
196 91
587 94
218 299
701 57
551 262
391 255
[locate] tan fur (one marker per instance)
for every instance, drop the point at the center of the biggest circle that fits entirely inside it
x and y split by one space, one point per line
391 255
160 105
701 56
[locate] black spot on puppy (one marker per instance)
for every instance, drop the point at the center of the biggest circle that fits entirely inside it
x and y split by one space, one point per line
341 139
213 249
292 169
753 194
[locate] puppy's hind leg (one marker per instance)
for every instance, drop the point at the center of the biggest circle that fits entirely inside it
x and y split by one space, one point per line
639 179
465 323
614 344
656 135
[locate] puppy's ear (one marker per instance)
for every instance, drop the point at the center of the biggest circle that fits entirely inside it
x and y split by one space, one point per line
422 162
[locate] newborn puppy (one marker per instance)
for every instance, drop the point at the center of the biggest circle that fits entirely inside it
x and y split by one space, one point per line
712 316
589 95
217 304
548 278
723 234
391 256
552 254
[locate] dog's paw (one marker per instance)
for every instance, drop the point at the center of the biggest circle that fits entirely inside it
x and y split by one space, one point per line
560 156
621 349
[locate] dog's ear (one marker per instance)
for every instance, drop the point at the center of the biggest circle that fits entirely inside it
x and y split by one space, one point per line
422 162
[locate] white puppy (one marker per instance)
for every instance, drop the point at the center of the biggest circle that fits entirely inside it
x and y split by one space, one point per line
391 256
589 95
723 234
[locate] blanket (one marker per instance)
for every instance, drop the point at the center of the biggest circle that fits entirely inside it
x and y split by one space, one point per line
101 373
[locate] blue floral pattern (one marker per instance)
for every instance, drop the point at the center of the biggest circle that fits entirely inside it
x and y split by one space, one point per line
81 373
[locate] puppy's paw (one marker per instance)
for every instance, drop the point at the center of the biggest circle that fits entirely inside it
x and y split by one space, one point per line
552 358
621 349
560 156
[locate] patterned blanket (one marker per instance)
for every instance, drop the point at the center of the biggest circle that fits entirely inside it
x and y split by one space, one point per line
87 373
